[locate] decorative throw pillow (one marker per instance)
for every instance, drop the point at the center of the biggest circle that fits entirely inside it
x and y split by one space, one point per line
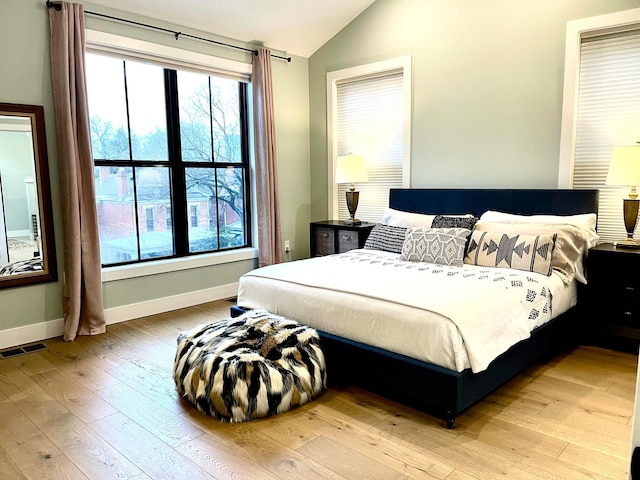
570 250
435 245
448 221
522 252
584 221
387 238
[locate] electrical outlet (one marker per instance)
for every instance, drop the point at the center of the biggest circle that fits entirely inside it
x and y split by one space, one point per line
287 246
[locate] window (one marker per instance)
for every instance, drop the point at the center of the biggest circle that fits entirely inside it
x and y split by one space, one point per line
151 222
193 215
601 108
369 113
167 216
172 141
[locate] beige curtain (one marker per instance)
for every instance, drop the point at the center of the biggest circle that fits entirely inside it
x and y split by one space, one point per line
269 235
82 302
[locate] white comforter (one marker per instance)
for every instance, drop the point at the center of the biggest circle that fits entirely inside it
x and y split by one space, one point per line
491 308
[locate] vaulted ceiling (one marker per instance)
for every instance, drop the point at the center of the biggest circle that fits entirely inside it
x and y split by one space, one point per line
297 27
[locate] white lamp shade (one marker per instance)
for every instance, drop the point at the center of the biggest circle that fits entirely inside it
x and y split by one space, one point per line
624 169
351 169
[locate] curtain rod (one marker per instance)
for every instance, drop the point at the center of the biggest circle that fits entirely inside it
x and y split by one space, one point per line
58 7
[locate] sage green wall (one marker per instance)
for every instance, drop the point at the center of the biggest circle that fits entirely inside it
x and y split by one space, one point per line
26 78
487 86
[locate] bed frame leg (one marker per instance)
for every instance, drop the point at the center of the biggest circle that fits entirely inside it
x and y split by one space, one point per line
236 311
450 418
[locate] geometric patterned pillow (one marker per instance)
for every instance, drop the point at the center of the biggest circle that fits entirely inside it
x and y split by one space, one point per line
446 221
388 238
531 253
444 246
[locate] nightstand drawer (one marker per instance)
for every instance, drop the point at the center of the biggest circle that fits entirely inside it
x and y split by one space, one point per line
624 314
622 286
613 294
347 240
614 275
626 291
335 236
325 241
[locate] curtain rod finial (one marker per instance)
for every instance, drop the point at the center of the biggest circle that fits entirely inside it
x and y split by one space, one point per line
56 6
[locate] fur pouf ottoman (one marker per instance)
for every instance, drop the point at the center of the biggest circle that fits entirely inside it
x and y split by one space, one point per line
251 366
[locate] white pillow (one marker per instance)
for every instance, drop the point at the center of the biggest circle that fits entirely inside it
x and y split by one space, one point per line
584 221
398 218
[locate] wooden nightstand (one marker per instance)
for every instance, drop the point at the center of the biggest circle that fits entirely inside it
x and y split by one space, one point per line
613 290
333 236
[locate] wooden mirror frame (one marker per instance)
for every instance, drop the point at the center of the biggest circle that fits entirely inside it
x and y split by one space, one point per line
49 272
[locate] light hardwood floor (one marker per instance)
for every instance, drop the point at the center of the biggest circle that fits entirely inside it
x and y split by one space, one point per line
106 407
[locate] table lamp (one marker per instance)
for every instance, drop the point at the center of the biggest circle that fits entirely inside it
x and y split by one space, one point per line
351 169
624 169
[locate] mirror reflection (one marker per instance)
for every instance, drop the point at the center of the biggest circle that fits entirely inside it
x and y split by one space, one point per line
27 254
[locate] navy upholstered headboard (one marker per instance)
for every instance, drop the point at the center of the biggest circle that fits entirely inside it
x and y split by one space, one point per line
478 201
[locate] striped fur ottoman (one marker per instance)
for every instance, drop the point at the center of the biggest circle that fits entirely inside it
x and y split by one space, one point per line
251 366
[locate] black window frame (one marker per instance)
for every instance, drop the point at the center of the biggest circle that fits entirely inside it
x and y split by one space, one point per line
180 215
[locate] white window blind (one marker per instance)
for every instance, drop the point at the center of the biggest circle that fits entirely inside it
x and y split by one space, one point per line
370 123
608 115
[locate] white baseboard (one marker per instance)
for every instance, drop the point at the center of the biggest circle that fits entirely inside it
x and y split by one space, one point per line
55 328
31 333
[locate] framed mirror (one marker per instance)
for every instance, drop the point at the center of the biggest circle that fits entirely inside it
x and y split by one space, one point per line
27 245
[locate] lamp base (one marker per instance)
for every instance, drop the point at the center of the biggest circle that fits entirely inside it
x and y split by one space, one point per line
352 206
630 209
628 243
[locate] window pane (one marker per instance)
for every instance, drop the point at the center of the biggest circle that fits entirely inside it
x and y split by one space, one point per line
153 195
116 214
608 114
225 107
195 116
201 198
369 122
147 117
107 107
212 224
231 206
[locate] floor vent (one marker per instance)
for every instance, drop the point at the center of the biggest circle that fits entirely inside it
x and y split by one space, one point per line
12 352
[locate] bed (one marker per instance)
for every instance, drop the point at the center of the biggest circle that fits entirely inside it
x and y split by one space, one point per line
435 352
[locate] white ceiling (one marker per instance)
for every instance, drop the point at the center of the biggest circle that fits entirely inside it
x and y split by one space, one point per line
297 27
